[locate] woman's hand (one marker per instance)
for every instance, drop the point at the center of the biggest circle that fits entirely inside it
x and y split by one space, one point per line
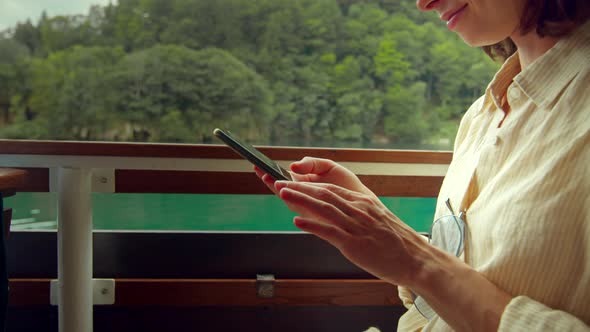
358 224
319 170
373 238
349 216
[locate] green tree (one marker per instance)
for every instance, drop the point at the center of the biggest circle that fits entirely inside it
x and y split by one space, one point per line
205 89
358 104
323 24
391 67
363 30
27 34
70 92
404 120
61 32
130 20
13 57
321 71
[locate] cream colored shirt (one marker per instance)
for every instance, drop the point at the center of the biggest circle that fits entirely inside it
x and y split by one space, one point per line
525 187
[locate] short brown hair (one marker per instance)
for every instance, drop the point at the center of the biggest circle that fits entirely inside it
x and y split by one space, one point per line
554 18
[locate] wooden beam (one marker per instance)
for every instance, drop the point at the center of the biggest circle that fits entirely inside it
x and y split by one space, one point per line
134 181
225 292
216 151
28 292
11 179
162 181
198 182
37 180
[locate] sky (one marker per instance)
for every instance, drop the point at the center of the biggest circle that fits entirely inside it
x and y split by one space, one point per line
13 11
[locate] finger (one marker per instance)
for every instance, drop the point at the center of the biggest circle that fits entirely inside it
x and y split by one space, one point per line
309 207
318 190
303 177
268 180
258 172
309 165
352 204
324 231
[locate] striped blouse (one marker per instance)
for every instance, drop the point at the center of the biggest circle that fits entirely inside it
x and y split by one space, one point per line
524 181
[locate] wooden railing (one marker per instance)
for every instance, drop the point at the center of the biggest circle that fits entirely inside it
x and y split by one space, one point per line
410 175
225 292
178 168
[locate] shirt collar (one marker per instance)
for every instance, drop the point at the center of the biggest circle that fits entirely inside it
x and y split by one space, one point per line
503 79
547 76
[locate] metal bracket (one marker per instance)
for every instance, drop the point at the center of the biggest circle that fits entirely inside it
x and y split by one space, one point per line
265 286
103 292
103 180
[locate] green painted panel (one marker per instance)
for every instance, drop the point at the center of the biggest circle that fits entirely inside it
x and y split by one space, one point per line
192 212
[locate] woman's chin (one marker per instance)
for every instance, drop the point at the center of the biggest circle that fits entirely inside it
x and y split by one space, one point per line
474 40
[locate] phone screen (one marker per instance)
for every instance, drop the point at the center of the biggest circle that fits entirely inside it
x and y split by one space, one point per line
253 155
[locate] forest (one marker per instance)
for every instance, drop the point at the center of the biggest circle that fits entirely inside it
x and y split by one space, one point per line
340 73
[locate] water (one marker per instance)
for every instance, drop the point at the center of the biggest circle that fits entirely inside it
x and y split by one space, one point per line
194 212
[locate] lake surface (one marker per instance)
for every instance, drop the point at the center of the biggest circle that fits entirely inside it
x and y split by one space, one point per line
192 212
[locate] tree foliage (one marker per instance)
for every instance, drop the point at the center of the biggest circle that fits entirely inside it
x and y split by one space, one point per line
292 72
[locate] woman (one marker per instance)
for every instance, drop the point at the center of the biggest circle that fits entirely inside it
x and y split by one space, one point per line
519 176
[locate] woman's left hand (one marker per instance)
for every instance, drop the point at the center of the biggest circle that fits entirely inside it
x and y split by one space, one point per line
359 225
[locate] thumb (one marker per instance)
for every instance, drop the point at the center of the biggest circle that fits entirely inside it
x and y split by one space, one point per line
310 165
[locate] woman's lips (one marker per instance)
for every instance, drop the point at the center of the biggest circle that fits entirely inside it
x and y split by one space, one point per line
453 17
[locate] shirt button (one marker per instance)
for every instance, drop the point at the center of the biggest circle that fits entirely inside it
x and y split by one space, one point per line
495 140
515 93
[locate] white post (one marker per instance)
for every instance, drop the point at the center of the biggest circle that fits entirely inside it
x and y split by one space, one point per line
74 236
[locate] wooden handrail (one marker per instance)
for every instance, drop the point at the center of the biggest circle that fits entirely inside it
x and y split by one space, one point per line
196 182
11 179
25 147
225 182
225 292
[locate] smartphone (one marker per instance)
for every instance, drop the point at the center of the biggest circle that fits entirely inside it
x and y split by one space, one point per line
254 156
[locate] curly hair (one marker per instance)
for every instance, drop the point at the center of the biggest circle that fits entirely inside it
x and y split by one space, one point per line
554 18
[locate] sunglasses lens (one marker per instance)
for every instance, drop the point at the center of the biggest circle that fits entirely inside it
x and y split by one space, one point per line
424 308
447 234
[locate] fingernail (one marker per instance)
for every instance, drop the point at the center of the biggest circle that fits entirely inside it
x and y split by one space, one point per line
299 222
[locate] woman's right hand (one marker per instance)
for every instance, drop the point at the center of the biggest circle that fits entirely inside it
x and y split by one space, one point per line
319 170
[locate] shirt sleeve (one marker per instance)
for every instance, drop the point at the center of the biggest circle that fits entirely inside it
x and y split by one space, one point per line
525 314
406 296
412 320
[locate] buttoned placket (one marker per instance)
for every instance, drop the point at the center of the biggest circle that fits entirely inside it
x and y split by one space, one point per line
485 151
492 138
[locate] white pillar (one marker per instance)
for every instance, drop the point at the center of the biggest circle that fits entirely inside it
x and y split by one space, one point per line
74 236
